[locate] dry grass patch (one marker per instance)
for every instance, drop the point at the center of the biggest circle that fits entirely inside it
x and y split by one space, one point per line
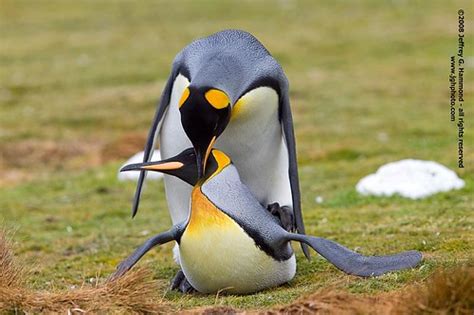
447 291
23 160
133 293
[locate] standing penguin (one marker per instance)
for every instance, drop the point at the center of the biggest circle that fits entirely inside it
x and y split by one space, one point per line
227 90
231 242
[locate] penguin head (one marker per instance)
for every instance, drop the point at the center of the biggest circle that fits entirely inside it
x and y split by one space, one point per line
206 104
184 166
205 113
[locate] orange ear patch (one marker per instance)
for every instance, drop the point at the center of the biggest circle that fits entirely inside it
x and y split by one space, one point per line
184 97
222 161
217 98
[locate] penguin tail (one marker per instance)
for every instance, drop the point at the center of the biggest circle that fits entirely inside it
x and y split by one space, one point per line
356 264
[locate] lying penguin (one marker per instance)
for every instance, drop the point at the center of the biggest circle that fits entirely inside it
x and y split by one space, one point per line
231 242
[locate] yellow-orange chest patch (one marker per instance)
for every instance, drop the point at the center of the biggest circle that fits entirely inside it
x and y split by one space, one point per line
217 254
205 214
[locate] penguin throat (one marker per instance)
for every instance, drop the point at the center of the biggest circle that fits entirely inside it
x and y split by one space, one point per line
217 162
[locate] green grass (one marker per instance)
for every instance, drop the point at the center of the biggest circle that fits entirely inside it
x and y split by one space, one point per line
369 84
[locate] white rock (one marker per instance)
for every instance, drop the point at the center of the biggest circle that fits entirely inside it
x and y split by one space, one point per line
319 199
133 175
410 178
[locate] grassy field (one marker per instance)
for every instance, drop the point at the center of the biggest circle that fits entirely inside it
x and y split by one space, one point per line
79 81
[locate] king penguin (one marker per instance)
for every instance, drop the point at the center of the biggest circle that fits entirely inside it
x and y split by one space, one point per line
227 91
230 242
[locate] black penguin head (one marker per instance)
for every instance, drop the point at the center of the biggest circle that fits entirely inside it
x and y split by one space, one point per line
184 166
205 113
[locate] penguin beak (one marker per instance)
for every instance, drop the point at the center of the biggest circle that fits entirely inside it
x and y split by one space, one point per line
202 154
182 166
160 166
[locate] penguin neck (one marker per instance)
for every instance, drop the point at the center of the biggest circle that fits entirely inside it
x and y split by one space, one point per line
210 171
199 201
204 213
216 164
203 209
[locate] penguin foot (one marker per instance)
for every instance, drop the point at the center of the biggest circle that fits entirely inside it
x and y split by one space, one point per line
284 214
181 284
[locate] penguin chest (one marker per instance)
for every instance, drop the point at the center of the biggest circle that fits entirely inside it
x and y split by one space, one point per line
217 254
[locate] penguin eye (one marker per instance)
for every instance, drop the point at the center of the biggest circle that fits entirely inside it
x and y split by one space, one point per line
217 98
184 97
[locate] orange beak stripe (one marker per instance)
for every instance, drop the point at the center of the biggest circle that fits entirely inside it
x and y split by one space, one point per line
164 166
208 151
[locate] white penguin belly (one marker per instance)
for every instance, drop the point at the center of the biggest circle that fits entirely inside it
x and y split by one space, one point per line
173 140
255 142
217 254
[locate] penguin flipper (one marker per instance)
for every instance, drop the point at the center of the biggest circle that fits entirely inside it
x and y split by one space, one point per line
286 120
152 135
173 234
356 264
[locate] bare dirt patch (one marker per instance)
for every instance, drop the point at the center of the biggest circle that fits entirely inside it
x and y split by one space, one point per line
45 153
123 147
24 160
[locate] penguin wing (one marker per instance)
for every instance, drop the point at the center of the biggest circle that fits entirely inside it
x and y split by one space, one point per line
286 121
174 234
153 133
356 264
